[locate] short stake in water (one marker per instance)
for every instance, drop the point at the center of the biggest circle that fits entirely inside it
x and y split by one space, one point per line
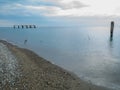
111 30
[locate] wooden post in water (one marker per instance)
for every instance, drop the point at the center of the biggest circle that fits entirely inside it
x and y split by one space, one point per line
18 26
14 26
34 26
26 26
22 26
111 30
30 26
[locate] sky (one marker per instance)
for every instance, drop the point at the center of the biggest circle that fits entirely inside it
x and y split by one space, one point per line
58 12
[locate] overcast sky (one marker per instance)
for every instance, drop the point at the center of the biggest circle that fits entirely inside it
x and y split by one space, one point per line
56 12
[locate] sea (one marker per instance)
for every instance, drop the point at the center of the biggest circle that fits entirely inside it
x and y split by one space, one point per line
86 51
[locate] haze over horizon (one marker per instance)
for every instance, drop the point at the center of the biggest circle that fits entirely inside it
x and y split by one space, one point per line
58 12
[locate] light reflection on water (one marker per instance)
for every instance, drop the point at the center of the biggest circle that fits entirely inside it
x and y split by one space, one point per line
88 52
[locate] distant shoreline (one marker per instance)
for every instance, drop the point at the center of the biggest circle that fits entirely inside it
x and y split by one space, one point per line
40 74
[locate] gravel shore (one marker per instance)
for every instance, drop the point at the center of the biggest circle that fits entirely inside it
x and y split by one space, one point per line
22 69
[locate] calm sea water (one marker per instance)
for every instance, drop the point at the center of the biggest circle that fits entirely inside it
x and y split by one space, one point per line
88 52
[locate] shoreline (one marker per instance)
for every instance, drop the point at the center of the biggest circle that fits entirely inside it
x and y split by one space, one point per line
40 74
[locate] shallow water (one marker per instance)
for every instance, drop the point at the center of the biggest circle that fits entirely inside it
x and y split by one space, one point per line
86 51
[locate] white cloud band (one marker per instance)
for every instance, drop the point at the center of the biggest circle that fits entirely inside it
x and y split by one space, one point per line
72 8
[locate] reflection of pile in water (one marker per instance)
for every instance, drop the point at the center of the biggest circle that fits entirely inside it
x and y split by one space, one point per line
8 67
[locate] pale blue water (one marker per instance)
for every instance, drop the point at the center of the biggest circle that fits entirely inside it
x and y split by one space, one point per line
86 51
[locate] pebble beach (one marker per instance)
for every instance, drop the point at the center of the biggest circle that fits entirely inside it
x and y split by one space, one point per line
22 69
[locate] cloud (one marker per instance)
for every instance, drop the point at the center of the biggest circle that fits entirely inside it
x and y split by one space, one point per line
58 12
71 5
58 8
65 4
11 9
28 10
76 8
